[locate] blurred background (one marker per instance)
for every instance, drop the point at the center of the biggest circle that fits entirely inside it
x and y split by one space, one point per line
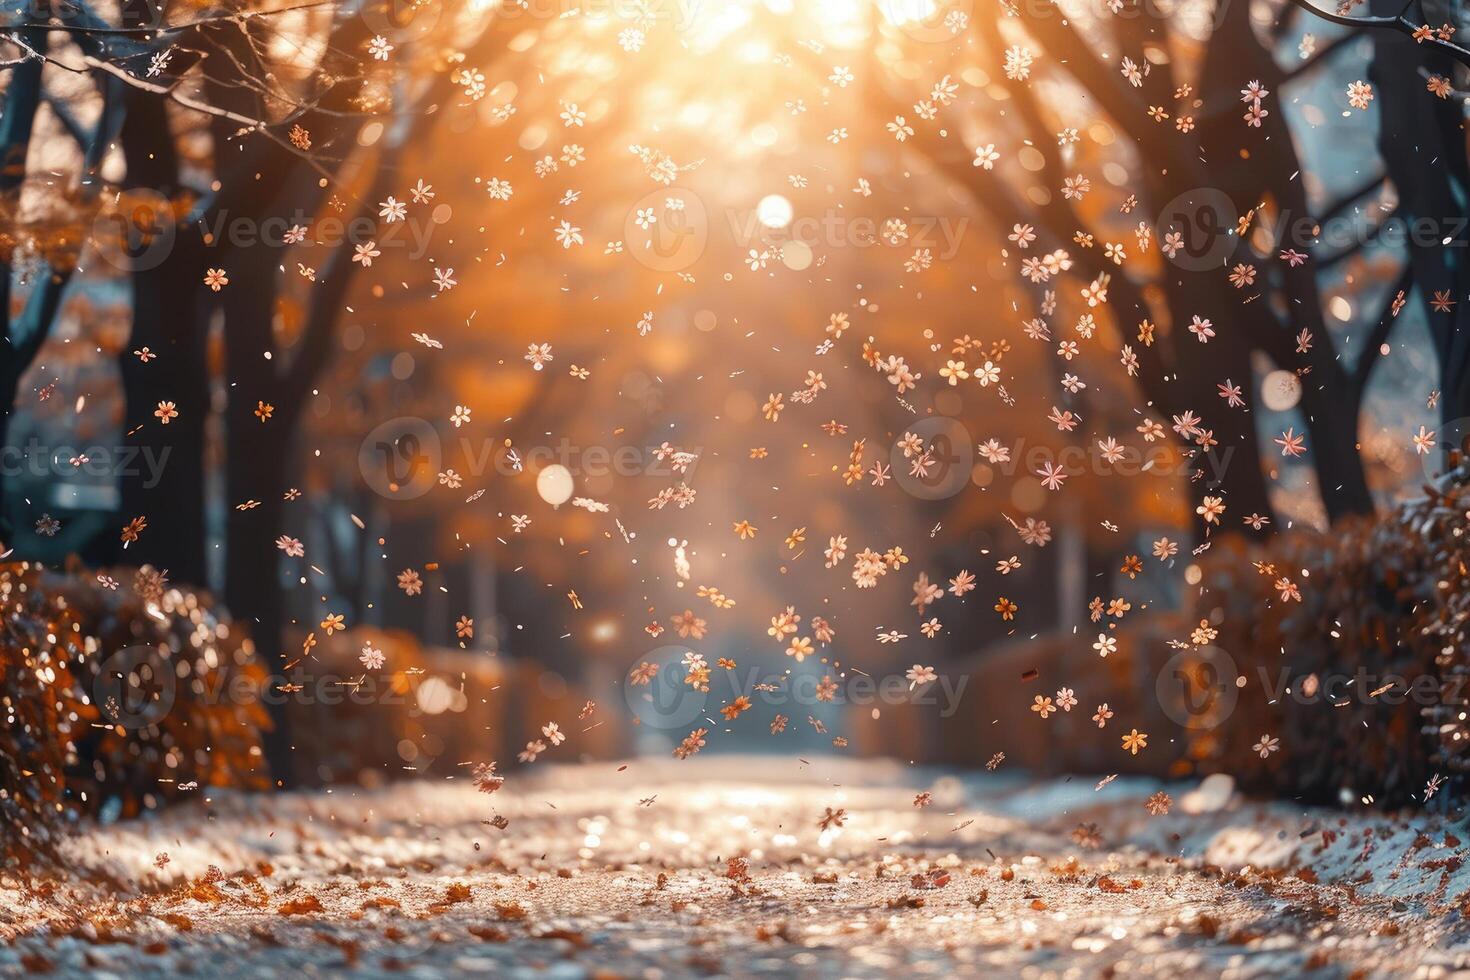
500 276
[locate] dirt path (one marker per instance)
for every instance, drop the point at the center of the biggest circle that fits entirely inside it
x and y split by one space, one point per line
625 872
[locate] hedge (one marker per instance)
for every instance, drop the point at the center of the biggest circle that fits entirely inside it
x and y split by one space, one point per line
70 641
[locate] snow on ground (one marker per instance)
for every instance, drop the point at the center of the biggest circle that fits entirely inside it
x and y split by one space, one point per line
612 870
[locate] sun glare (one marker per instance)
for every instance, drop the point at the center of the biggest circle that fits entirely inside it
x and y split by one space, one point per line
901 12
774 211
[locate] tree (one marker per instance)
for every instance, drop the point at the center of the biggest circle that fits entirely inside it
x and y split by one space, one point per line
282 133
1422 142
1231 274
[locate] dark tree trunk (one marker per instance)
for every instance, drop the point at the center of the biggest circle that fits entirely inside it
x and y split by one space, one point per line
1332 416
1422 142
257 453
22 97
1331 397
169 320
255 471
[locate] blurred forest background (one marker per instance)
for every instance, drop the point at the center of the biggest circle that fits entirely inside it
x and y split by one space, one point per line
147 145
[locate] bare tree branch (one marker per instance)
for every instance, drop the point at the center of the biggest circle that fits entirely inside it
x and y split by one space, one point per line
153 32
1399 23
255 125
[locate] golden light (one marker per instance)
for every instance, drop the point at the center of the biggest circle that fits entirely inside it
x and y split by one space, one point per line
554 484
764 135
840 13
796 255
435 696
901 12
1281 390
774 211
708 29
